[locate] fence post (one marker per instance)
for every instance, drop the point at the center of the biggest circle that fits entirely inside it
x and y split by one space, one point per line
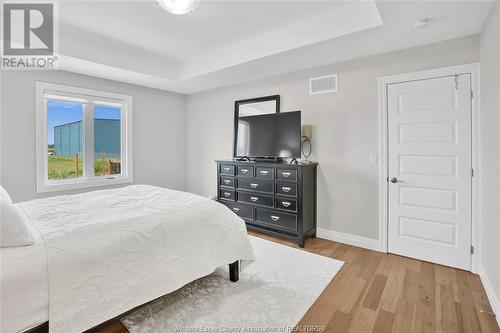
110 168
77 171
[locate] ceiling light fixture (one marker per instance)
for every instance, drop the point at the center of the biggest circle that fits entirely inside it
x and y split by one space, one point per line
422 22
178 7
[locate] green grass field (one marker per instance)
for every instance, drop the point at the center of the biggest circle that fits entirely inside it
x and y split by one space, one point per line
65 167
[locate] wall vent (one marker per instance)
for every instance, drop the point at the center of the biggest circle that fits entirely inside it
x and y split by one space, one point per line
323 84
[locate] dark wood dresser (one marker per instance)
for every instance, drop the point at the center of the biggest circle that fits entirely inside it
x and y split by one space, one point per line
277 198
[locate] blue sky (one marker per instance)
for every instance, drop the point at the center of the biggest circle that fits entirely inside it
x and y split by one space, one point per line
60 113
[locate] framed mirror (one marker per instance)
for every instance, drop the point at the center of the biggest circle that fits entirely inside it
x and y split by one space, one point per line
247 108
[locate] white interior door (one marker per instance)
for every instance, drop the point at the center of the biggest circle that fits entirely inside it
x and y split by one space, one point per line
430 169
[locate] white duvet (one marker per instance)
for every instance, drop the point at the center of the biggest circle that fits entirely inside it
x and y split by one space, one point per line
110 251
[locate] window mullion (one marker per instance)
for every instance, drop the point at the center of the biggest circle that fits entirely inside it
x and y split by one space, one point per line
88 144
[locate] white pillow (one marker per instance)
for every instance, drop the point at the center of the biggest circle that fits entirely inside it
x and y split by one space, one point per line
13 228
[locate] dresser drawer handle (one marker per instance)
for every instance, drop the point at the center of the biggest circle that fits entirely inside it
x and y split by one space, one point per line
286 189
244 170
253 185
227 181
227 169
286 203
286 174
236 209
264 172
227 194
275 218
254 199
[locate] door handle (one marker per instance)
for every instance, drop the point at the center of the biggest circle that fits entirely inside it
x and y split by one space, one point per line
254 199
244 170
394 180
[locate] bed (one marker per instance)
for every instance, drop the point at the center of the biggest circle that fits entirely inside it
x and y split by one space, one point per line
100 254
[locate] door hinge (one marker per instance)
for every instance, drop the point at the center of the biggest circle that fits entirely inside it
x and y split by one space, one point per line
456 82
471 94
471 249
472 172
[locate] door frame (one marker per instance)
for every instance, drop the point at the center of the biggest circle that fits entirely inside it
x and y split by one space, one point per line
383 82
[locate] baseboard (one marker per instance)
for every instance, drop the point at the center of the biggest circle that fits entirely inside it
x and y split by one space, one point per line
490 292
354 240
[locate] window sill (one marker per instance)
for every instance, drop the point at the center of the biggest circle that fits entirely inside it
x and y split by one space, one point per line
75 185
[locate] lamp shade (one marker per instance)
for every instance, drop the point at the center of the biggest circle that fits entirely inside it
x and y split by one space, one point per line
307 131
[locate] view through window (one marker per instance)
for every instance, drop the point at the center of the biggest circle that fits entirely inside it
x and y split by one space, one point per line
107 140
65 139
65 133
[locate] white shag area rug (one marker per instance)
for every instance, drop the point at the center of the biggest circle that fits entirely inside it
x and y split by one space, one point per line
272 295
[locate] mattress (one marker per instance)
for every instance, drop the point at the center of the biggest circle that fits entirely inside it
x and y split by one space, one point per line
24 300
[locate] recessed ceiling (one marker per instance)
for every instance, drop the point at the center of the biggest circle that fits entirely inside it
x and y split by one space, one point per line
214 24
225 42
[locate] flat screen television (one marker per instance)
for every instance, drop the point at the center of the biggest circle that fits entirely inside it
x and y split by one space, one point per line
275 135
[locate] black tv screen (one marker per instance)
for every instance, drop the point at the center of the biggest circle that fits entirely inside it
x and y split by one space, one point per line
269 135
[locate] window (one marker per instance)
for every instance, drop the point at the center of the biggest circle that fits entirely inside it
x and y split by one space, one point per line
83 138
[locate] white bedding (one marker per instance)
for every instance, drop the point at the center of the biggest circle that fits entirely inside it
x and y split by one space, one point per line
24 298
110 251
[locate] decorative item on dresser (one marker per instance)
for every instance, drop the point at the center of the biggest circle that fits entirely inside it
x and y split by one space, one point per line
273 197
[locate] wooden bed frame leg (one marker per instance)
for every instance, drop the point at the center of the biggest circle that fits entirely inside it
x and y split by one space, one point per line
234 271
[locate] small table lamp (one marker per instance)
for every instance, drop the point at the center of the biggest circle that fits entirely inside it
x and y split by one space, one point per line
306 135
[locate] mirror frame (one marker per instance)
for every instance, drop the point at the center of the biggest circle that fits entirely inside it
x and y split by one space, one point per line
237 113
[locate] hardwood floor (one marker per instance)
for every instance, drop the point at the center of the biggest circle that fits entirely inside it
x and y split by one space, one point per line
377 292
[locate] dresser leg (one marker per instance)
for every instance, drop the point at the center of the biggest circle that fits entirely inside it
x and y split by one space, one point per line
301 242
234 271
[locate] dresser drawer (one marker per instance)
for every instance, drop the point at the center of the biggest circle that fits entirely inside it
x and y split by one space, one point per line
289 189
227 169
286 174
264 173
227 181
256 199
255 185
245 171
284 220
287 204
241 210
227 194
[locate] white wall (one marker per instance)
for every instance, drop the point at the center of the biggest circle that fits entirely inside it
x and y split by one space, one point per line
159 123
345 128
490 164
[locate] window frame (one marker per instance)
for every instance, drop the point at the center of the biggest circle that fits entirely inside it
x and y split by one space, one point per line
89 98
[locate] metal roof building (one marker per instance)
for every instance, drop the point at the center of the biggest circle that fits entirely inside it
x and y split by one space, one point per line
68 138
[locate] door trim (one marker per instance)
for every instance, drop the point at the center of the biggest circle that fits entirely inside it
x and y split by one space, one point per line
473 69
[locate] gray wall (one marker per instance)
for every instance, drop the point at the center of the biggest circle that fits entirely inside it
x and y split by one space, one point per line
159 122
490 142
345 128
